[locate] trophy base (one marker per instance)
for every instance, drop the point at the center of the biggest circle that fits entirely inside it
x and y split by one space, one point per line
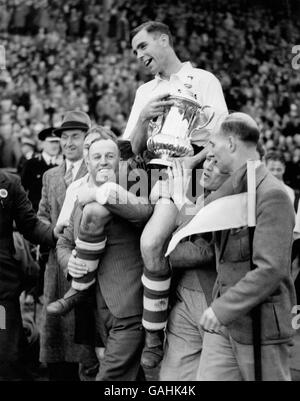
166 148
161 162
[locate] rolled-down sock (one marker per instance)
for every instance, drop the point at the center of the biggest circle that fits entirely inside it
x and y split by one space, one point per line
156 299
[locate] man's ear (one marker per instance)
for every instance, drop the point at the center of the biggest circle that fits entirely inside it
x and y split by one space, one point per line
232 143
164 40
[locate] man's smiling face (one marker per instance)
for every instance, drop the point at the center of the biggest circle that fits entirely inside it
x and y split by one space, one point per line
148 49
72 144
103 160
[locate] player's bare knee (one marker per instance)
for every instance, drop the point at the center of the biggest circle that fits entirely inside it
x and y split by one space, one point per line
150 246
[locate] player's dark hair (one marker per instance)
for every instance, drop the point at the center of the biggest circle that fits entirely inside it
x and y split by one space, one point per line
153 27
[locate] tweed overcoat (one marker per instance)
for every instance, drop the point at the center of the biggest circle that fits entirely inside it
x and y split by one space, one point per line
57 333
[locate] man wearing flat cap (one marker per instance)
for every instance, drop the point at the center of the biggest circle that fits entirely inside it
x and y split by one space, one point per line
58 349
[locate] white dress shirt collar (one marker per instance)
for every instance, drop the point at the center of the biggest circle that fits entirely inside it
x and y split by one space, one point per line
48 159
185 68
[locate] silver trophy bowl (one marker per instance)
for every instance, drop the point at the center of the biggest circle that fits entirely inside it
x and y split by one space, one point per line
169 135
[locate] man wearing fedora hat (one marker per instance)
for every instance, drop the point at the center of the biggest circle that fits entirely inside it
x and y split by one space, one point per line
58 349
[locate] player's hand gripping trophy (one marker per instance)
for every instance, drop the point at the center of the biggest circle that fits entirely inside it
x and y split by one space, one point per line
169 134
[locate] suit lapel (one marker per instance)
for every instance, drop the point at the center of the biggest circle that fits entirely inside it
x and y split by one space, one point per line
82 171
60 185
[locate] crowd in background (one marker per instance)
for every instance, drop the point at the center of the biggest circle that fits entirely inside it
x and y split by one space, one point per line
76 54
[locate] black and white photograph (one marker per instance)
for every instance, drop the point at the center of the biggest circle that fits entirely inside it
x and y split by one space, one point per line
149 193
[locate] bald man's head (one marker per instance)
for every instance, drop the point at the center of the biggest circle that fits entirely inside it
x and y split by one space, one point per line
241 125
234 142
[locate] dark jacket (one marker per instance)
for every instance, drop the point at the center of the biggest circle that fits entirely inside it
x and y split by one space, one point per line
32 178
15 206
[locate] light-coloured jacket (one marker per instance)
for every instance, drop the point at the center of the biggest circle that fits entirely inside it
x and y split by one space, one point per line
57 333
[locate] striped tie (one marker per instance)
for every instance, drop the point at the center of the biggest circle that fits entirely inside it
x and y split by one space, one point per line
69 175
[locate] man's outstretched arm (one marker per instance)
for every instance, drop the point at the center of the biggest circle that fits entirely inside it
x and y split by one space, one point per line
137 210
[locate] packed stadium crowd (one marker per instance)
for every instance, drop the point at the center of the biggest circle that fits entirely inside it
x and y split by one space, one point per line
76 54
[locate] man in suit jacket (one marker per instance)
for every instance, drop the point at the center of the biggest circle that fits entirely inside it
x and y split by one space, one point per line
15 206
58 349
227 348
118 285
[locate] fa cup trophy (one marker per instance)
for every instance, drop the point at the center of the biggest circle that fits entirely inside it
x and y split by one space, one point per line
169 135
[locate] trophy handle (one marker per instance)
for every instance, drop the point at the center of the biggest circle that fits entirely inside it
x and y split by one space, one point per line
205 123
154 126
